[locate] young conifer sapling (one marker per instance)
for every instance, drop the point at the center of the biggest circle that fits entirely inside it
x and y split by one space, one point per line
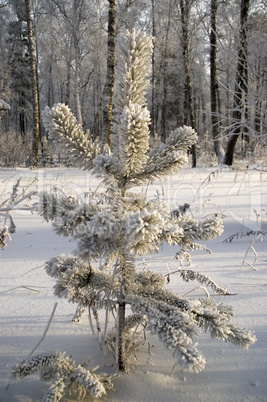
114 227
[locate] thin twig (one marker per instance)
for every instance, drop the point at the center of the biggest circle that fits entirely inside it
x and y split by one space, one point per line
90 320
198 287
98 327
208 178
41 340
46 329
26 287
255 254
33 269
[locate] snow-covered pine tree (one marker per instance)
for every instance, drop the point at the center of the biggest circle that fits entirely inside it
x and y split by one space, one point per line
114 227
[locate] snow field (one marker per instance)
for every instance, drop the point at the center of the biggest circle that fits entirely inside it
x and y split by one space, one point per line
27 298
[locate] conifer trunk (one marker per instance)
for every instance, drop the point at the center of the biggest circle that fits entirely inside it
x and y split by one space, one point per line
122 304
121 340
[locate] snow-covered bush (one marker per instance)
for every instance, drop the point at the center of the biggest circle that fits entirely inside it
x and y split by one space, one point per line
112 228
14 149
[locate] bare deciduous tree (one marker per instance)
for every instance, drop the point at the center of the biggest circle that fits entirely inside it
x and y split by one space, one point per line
241 84
214 81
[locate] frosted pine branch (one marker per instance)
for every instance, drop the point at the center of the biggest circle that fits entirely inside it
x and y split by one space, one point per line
70 214
32 365
135 50
189 275
166 158
55 392
149 280
100 237
148 284
206 229
84 381
108 167
241 337
131 321
64 130
53 205
67 376
216 319
183 254
175 329
134 135
80 282
143 230
133 68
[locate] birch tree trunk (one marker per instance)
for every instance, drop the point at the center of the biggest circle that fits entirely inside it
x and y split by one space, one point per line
214 81
35 96
153 109
109 87
189 117
77 11
239 106
165 64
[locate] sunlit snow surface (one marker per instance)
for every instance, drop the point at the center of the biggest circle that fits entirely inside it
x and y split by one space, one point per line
27 300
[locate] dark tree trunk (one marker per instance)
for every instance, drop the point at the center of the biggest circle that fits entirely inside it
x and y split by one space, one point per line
240 85
121 340
122 314
5 76
257 116
34 86
214 81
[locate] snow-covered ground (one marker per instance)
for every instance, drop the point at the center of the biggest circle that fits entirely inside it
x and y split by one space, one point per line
27 300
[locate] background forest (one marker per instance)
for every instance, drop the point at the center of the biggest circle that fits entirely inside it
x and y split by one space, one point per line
209 70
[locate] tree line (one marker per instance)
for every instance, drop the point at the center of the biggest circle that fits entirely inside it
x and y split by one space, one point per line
209 68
